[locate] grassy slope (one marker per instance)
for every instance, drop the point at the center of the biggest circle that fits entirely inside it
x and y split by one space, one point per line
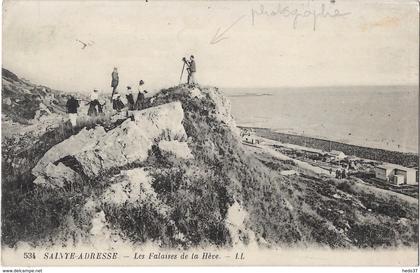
31 213
201 198
342 213
24 98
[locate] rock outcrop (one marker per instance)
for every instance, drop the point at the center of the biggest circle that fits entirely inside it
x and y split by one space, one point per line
114 159
57 176
97 151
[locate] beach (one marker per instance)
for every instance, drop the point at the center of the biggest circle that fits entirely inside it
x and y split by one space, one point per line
369 116
404 159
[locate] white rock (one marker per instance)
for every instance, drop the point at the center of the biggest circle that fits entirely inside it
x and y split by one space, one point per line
133 186
98 224
179 149
97 150
195 92
84 140
57 176
223 109
235 222
166 118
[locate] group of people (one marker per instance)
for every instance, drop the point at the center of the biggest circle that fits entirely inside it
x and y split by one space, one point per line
133 102
340 173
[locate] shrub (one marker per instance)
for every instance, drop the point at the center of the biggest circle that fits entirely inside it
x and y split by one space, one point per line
34 215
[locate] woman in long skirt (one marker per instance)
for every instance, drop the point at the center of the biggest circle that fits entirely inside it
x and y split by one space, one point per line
92 111
117 104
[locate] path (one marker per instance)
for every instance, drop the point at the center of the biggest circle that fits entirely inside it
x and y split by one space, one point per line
266 146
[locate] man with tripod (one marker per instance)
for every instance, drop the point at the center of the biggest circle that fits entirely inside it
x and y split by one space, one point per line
191 69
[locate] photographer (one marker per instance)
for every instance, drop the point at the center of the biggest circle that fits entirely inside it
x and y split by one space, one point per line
191 69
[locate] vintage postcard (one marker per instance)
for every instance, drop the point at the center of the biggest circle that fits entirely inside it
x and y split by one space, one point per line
210 133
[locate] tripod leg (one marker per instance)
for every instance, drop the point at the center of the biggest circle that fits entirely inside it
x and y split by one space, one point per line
182 72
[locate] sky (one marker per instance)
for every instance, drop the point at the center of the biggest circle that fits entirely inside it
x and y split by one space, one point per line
236 44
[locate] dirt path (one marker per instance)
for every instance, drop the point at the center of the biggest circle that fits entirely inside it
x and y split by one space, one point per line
266 147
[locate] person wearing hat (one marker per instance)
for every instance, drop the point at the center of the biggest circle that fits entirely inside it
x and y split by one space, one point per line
140 102
130 98
115 80
94 105
191 69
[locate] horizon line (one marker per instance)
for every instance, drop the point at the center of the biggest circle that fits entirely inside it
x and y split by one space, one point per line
322 86
415 85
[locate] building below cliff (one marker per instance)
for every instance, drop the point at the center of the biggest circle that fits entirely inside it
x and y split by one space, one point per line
396 174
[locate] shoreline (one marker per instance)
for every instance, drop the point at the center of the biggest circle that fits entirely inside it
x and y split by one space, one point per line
410 160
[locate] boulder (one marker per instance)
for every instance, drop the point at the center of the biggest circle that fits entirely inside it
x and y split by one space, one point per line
161 120
98 151
179 149
57 176
84 140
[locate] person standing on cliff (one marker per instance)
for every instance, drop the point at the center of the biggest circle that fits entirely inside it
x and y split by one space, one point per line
117 104
140 102
191 69
72 105
114 82
94 106
130 98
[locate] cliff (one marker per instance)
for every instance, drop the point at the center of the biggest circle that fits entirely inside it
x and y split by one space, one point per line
176 174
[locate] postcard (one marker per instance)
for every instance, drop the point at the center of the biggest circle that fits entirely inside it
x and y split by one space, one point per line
235 133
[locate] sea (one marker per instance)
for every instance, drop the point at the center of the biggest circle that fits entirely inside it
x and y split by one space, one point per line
384 117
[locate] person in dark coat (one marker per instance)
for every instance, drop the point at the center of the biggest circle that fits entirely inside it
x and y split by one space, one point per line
117 104
191 69
72 105
114 82
92 111
130 98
